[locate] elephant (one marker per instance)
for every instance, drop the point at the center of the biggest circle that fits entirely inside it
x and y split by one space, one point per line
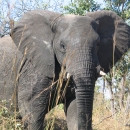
52 50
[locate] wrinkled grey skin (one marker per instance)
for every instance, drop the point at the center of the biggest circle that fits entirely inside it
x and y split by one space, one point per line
44 41
8 66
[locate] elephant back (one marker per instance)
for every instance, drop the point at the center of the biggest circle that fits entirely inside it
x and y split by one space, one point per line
10 61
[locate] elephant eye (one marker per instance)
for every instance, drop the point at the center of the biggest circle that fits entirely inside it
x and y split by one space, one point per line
62 46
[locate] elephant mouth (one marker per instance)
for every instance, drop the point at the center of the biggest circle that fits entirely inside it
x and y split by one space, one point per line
68 76
100 72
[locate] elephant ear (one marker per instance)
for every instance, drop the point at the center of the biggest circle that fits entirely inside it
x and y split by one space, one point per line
33 36
114 37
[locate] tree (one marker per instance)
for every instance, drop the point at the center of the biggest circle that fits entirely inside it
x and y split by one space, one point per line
4 18
121 7
12 12
80 7
117 82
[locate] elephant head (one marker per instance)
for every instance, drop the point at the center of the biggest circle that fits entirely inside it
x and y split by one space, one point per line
45 36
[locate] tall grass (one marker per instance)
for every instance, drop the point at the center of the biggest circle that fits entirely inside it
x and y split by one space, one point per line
56 120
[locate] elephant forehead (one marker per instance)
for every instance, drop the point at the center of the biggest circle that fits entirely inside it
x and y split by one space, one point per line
69 17
76 19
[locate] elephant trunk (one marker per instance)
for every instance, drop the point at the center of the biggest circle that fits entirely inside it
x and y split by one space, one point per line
84 101
84 78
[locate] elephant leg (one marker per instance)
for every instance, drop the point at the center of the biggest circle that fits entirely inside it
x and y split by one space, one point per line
33 97
71 115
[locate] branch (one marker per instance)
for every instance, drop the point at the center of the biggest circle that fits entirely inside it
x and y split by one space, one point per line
104 119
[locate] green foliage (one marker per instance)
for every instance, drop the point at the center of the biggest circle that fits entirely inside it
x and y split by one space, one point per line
128 22
121 7
97 88
80 7
121 69
8 117
118 80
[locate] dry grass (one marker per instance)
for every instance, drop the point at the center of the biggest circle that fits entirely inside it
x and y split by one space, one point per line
56 120
8 117
103 118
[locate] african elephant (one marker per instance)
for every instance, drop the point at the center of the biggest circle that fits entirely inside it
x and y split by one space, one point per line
49 44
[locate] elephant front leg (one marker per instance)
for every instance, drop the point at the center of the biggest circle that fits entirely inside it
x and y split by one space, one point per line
33 98
71 115
33 104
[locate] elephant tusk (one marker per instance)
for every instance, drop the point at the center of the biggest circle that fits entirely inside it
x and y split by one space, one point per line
102 73
68 75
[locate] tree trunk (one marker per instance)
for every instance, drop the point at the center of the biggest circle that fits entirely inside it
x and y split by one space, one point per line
109 85
128 103
122 92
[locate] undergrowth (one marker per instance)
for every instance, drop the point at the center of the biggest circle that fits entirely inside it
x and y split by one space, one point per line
56 120
8 119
